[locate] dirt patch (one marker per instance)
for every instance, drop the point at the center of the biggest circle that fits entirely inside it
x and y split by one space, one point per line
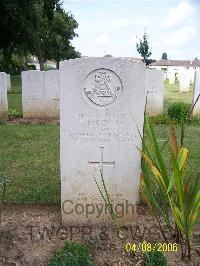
30 234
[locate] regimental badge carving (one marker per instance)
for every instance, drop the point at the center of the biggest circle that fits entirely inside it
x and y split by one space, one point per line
102 87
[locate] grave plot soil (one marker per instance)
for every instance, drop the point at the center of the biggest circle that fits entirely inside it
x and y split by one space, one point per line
30 234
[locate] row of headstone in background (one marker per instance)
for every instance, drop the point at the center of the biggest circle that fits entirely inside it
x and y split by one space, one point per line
155 91
185 78
196 110
4 83
8 83
40 94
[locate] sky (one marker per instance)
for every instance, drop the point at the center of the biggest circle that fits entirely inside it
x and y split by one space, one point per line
114 27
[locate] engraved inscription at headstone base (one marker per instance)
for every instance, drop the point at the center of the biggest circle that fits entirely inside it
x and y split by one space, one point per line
101 109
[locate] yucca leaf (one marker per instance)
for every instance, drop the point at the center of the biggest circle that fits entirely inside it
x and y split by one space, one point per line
182 160
178 179
182 127
154 170
177 217
171 183
162 166
173 141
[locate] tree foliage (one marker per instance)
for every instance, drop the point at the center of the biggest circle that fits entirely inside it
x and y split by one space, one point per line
143 48
164 56
38 27
57 39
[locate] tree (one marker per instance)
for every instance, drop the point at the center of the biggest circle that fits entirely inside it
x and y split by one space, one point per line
56 40
37 27
20 25
143 48
164 56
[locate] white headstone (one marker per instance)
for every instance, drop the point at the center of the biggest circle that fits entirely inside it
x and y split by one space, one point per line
196 110
8 83
155 90
165 75
3 95
102 100
192 73
184 81
171 77
52 94
33 94
40 94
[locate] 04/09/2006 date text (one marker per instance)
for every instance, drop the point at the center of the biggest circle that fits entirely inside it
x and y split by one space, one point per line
148 247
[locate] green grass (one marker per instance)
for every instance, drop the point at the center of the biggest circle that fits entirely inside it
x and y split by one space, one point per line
15 103
15 96
16 84
191 141
172 94
29 154
72 254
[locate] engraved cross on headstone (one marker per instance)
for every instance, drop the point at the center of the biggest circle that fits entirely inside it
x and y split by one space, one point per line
101 163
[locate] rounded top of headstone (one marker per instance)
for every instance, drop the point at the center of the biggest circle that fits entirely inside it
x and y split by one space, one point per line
103 60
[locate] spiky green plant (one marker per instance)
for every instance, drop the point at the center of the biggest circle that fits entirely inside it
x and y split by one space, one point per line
180 191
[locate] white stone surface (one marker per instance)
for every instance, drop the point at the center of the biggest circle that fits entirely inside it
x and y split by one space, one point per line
3 95
171 77
184 81
155 91
196 110
101 101
40 94
192 74
33 94
52 94
8 82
